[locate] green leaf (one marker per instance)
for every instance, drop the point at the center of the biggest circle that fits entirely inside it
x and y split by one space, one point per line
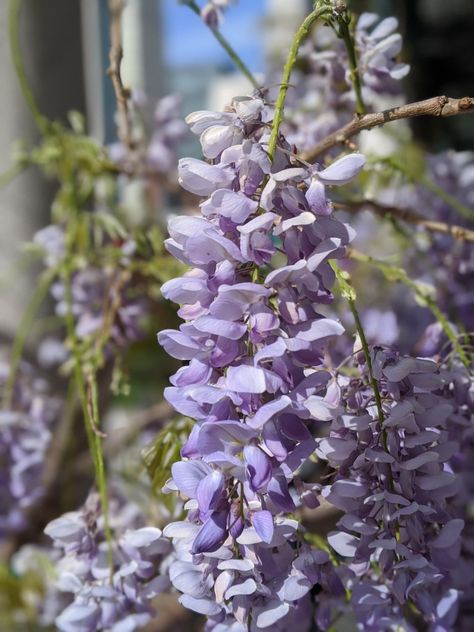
110 224
160 455
343 279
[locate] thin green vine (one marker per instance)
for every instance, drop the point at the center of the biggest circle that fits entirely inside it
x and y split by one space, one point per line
302 32
453 202
349 294
344 20
226 46
90 413
412 175
15 47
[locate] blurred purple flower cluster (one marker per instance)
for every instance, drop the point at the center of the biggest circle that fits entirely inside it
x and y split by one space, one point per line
95 292
323 98
103 299
155 135
116 599
255 343
447 263
26 427
212 12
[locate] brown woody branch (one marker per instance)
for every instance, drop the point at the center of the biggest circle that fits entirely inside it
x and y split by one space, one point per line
405 215
122 94
437 106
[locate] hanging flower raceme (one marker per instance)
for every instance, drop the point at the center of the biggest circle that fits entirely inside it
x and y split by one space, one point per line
394 481
26 426
105 301
113 598
459 388
254 343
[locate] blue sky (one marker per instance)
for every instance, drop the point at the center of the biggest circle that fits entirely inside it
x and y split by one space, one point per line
188 42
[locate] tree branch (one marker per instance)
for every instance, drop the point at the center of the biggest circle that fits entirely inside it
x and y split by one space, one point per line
122 94
437 106
458 232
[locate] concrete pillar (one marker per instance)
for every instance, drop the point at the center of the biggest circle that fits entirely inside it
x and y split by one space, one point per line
51 43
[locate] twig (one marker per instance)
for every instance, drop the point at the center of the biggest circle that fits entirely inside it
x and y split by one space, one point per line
458 232
15 47
122 94
436 106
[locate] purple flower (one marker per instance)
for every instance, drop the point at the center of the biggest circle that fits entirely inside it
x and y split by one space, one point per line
100 602
393 481
255 343
26 431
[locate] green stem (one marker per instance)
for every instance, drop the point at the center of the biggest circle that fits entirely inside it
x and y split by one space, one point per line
226 46
368 359
79 378
441 318
24 329
15 48
354 72
102 481
301 33
93 439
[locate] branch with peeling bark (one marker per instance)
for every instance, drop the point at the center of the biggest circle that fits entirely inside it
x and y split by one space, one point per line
122 94
405 215
437 106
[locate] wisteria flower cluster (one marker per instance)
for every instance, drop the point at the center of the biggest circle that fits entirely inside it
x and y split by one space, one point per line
255 344
299 479
109 592
394 481
102 299
459 388
26 427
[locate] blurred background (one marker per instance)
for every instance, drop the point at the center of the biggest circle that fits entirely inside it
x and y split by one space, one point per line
167 50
